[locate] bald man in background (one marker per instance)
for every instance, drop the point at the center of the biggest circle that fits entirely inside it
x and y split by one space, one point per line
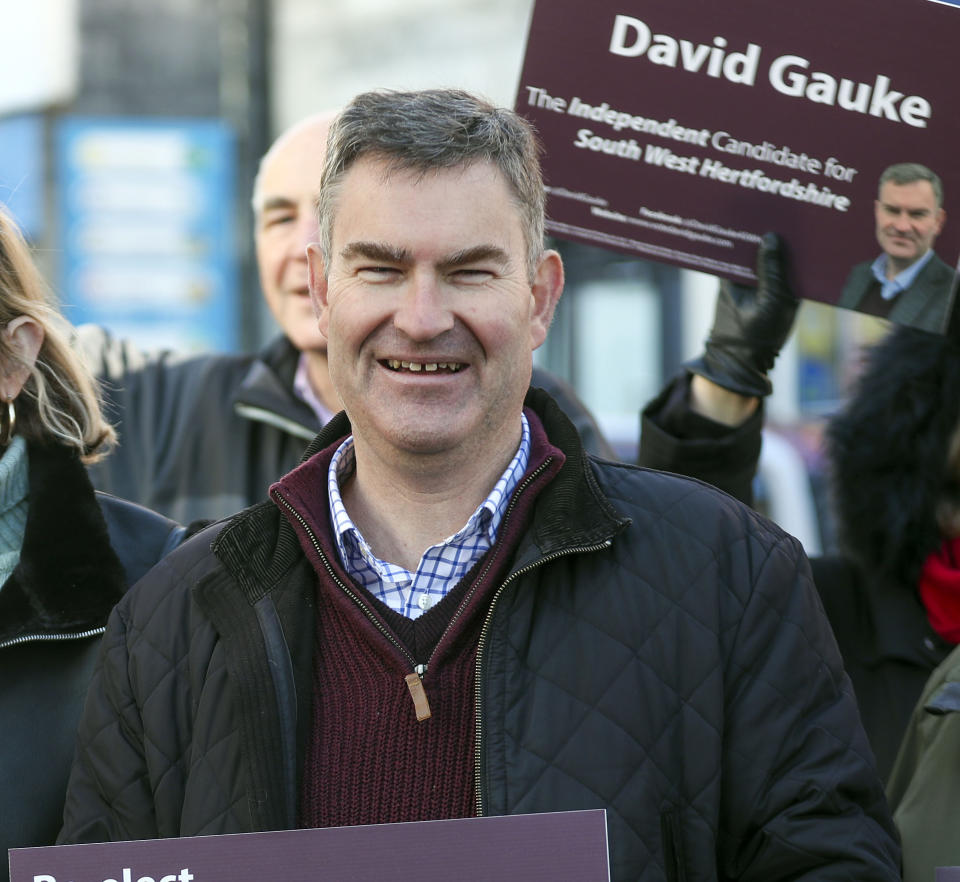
203 436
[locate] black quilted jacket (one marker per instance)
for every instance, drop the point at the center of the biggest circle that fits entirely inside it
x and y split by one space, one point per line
887 485
658 650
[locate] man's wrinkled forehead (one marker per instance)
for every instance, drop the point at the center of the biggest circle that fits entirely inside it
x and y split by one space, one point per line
385 169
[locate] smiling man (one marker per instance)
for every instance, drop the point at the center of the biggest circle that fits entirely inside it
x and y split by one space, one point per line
202 436
908 282
433 304
449 609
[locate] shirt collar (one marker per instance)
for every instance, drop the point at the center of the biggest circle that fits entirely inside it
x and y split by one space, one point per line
356 555
304 391
890 288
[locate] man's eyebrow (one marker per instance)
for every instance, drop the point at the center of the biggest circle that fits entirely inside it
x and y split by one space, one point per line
380 251
275 202
376 251
475 255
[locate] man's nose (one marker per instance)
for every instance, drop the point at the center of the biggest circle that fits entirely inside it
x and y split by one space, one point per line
901 223
423 312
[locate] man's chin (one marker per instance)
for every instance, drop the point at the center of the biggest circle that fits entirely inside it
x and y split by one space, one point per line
902 258
427 438
421 441
900 248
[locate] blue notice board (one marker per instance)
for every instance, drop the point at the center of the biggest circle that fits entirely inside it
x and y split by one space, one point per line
22 171
147 236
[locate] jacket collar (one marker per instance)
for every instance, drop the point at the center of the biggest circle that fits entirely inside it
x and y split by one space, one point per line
572 509
259 546
68 578
266 392
931 287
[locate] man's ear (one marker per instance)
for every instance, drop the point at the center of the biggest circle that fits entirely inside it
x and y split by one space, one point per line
546 290
25 336
317 282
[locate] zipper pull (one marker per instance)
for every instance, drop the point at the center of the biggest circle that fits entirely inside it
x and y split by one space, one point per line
414 683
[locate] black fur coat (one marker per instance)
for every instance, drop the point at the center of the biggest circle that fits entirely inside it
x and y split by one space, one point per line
889 448
68 577
80 552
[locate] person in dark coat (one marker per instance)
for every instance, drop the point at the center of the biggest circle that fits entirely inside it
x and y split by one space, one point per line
449 609
66 554
893 479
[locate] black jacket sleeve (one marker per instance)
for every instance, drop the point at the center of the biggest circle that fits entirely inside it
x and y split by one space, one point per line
675 439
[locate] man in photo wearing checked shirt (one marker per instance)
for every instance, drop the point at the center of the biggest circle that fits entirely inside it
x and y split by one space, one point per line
449 609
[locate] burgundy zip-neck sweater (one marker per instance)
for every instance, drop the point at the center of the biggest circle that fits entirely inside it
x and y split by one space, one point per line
369 760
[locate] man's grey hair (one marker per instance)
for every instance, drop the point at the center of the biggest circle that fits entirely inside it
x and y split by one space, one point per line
430 130
909 173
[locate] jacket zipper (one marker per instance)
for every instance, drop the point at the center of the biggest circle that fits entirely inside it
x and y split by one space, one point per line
506 515
417 669
478 737
29 638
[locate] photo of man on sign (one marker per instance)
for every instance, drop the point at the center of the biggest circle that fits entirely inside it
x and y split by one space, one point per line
682 132
907 282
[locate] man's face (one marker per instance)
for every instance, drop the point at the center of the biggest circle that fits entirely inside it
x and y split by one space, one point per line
430 317
908 221
285 225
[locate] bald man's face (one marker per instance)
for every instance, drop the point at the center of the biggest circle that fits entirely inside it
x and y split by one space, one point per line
285 224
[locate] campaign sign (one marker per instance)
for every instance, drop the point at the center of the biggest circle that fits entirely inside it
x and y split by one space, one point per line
554 847
682 130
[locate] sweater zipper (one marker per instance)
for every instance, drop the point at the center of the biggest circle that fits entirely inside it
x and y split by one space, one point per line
478 737
30 638
414 680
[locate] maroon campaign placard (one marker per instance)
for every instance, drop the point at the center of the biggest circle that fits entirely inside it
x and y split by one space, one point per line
554 847
682 130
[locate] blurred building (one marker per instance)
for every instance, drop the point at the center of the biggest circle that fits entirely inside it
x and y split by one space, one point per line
188 94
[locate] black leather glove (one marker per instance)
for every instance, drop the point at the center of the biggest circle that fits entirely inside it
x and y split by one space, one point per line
749 326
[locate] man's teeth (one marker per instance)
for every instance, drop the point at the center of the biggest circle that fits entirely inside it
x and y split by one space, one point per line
429 367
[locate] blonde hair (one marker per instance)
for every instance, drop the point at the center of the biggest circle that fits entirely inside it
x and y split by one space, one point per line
60 401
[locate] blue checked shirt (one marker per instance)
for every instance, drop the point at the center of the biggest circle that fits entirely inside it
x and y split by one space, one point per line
442 566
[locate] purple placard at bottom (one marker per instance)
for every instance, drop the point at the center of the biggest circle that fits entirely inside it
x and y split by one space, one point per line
948 874
559 847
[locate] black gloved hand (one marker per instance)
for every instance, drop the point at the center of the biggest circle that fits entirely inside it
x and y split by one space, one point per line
749 326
